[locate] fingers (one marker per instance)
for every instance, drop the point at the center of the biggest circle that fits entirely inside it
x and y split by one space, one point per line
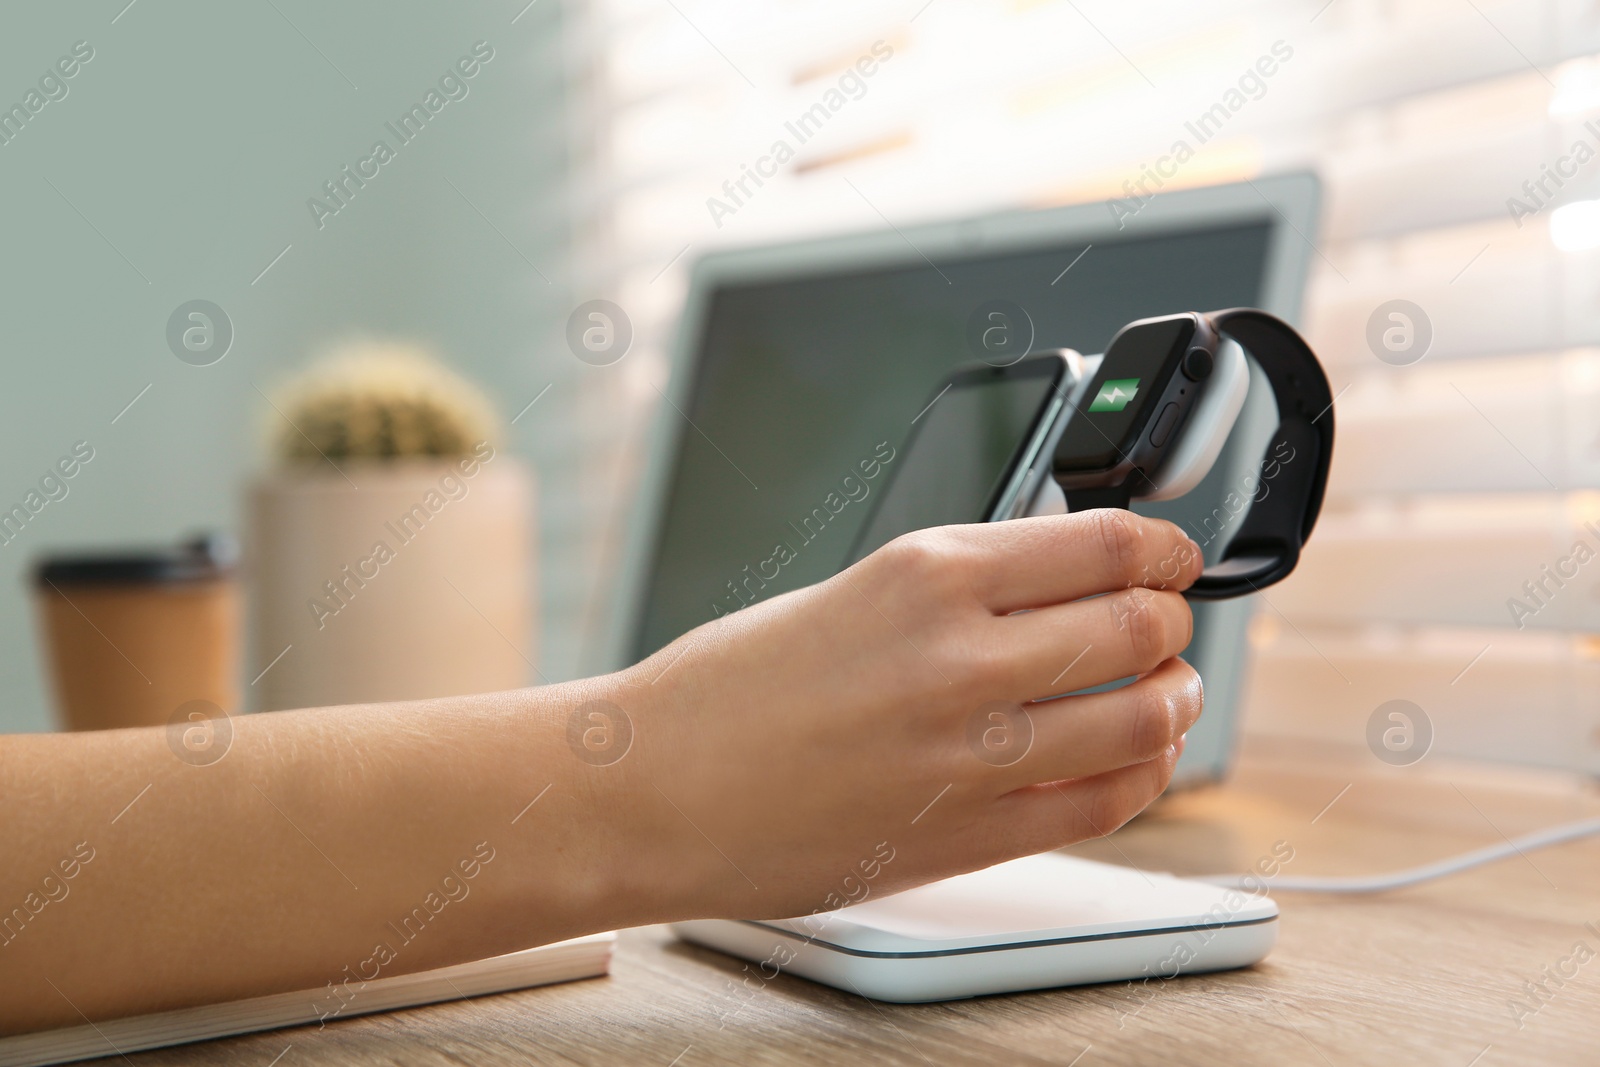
1074 646
1030 563
1090 734
1042 817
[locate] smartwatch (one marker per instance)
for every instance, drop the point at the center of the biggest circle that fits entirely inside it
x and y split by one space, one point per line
1161 404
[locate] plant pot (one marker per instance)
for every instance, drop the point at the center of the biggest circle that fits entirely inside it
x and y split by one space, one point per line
395 580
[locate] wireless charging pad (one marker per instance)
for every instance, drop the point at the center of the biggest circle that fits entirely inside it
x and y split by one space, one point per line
1034 923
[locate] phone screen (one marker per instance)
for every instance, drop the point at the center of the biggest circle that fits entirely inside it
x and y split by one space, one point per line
961 451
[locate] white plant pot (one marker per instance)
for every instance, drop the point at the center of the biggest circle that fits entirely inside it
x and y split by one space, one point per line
396 580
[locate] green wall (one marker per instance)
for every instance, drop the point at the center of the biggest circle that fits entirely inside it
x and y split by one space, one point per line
176 167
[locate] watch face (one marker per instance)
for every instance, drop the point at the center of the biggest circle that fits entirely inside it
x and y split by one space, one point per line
1119 402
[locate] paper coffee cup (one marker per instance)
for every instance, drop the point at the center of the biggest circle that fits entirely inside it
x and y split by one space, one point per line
133 638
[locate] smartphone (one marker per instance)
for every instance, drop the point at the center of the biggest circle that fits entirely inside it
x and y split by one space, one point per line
979 450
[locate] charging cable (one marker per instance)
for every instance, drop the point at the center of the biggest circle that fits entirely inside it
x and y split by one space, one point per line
1378 883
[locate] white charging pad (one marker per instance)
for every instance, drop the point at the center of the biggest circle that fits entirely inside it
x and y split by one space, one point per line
1034 923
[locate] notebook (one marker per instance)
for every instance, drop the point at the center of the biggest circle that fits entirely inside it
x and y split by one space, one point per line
564 961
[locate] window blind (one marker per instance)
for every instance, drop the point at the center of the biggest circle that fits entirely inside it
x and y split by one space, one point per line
1446 135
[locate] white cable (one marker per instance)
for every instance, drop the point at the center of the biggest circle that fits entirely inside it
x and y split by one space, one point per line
1377 883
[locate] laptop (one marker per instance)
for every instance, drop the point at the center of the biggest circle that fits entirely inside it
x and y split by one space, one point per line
793 363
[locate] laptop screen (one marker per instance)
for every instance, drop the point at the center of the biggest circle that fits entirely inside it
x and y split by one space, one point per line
804 391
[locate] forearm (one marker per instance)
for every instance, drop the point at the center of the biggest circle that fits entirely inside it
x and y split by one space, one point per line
325 845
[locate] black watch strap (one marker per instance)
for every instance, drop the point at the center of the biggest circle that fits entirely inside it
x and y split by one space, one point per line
1267 545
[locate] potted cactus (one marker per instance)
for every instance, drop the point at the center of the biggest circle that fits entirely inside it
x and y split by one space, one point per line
388 545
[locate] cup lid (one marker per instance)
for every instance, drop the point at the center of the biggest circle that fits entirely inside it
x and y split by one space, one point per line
207 557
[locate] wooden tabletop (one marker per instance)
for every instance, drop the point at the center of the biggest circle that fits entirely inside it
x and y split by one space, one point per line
1429 975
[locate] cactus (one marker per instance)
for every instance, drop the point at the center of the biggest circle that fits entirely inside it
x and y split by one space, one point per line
378 400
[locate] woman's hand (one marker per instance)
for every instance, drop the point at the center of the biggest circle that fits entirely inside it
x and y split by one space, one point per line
780 754
864 735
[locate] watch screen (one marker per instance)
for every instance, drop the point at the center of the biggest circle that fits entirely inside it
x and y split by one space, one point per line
961 452
1118 403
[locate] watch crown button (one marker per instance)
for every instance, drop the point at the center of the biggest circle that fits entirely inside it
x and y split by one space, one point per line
1197 365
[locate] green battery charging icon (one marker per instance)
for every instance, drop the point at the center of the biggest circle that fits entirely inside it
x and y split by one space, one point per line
1114 394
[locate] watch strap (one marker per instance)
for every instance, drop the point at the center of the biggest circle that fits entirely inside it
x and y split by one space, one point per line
1267 545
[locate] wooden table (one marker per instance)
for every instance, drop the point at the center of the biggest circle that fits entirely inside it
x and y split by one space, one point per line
1425 975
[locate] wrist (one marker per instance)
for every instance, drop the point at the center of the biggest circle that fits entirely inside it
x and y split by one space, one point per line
623 753
596 843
